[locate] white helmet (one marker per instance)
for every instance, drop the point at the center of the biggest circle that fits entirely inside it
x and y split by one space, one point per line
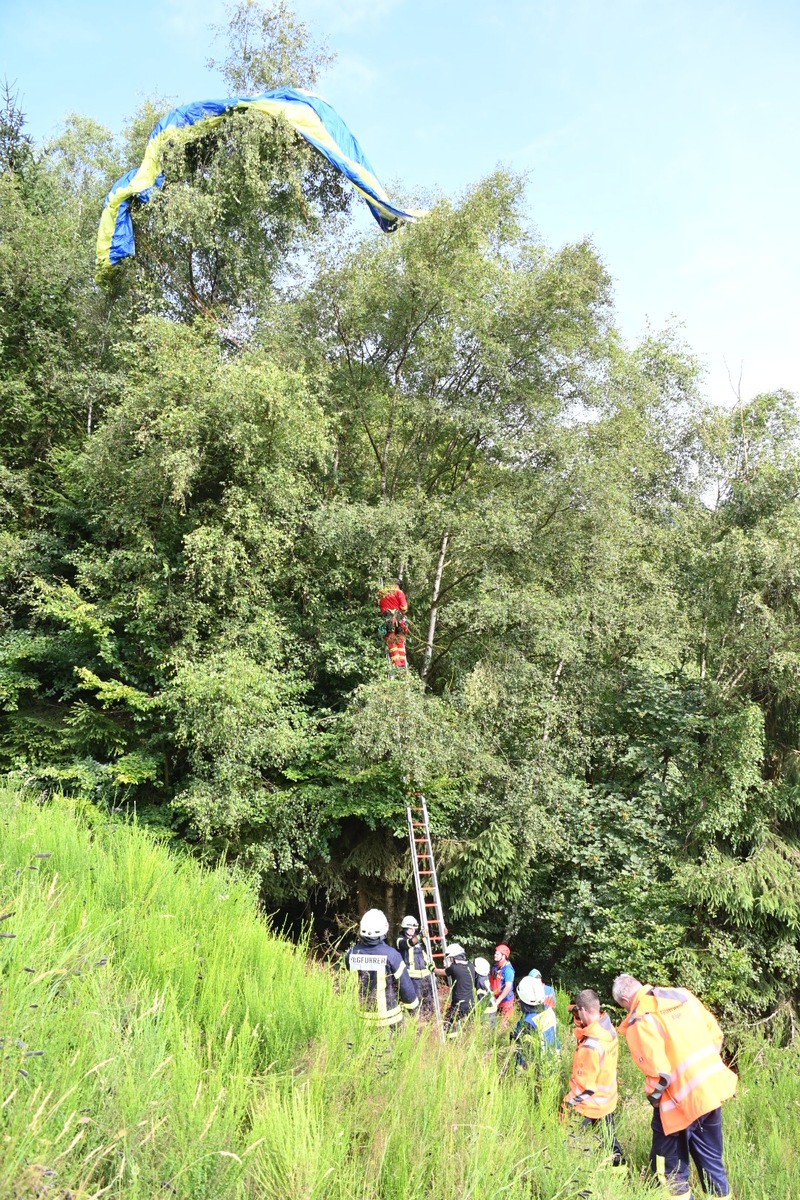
409 922
530 990
454 950
482 966
374 925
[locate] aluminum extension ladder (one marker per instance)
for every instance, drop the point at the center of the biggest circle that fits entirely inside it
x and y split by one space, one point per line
429 900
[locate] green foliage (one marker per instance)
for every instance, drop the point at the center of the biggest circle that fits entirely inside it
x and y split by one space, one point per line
207 473
238 720
268 47
238 202
241 201
16 147
157 1035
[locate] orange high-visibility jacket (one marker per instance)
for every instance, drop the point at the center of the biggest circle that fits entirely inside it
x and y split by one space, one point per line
593 1083
676 1041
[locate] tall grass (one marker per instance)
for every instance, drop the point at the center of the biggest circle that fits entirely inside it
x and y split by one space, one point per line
160 1041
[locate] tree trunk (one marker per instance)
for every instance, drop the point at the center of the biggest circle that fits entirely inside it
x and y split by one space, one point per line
437 584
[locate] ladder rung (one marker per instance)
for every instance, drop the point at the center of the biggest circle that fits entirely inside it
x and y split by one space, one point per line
428 897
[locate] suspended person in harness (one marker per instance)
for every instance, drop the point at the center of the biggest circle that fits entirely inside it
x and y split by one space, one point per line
676 1042
593 1082
501 980
536 1032
419 966
460 975
486 1001
384 987
393 624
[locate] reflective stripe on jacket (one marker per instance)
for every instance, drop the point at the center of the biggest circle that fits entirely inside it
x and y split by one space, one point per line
541 1024
414 957
676 1042
384 986
593 1082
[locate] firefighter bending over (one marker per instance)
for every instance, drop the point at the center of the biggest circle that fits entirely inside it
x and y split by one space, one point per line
676 1042
593 1082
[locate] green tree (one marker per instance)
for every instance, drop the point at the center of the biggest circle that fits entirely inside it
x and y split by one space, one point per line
16 146
240 201
268 47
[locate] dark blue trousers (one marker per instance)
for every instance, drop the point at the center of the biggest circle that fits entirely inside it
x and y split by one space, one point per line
702 1142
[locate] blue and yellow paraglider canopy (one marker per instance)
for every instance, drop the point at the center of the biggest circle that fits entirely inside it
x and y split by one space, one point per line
309 115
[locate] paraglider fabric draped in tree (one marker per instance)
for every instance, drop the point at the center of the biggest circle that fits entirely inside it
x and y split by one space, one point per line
309 115
394 626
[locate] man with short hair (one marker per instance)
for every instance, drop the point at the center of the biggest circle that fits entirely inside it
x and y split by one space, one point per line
501 978
593 1082
676 1042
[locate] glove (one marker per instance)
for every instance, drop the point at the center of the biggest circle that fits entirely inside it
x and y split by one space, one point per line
654 1097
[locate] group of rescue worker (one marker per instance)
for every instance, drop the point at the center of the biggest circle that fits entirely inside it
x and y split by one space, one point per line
673 1039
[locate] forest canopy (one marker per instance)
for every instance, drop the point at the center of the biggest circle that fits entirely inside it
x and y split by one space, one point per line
207 471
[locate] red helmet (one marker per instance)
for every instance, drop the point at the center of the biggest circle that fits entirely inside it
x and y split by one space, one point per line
503 949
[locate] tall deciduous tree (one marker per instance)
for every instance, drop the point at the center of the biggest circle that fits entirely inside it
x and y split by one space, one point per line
241 200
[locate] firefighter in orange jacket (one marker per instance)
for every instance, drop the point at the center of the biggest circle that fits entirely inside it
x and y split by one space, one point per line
676 1041
593 1082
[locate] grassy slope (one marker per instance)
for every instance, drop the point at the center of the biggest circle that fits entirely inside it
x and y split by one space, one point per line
188 1052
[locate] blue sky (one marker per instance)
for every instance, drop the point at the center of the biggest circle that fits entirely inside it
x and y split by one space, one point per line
667 132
